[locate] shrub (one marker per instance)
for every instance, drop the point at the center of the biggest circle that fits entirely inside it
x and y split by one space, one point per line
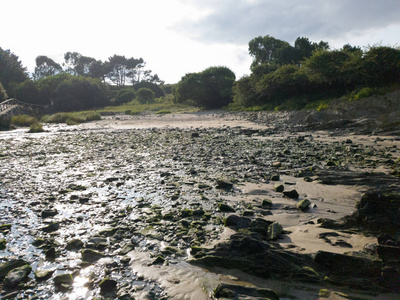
71 118
124 96
36 127
23 120
145 95
158 90
210 89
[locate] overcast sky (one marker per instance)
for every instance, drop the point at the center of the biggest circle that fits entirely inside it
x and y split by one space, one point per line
176 37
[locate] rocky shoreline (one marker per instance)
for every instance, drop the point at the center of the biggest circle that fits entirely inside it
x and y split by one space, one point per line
166 207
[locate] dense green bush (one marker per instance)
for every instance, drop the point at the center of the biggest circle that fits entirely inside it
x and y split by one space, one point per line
23 120
145 96
79 93
211 88
66 92
36 127
322 74
157 89
124 96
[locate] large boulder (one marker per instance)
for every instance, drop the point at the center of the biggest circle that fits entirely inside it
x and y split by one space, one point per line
16 276
7 266
346 265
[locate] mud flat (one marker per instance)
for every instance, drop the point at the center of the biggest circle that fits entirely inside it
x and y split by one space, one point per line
198 206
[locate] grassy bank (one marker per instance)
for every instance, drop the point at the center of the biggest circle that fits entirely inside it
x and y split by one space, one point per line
71 118
162 106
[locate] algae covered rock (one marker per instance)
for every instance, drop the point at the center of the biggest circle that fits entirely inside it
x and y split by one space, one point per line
16 276
42 275
279 188
346 265
292 194
274 231
90 256
231 291
224 184
304 204
7 266
107 286
237 222
225 208
64 282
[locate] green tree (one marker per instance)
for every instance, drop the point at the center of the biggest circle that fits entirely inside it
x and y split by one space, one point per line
145 95
28 91
326 67
124 96
45 67
245 91
267 50
79 93
11 71
122 68
381 66
157 89
210 89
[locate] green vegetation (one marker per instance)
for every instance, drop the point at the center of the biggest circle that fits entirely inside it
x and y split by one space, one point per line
209 89
160 105
145 95
283 77
71 118
36 127
23 120
293 77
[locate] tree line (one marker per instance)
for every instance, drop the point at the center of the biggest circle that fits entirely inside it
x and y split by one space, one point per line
281 74
307 71
80 82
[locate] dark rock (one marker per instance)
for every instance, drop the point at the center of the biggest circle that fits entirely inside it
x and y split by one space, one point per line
7 266
346 265
252 255
64 282
274 231
126 249
304 204
42 275
91 256
46 213
266 203
225 208
279 188
275 177
74 245
293 194
107 286
224 184
241 292
16 276
391 278
50 254
3 244
237 222
5 228
388 253
158 261
51 227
